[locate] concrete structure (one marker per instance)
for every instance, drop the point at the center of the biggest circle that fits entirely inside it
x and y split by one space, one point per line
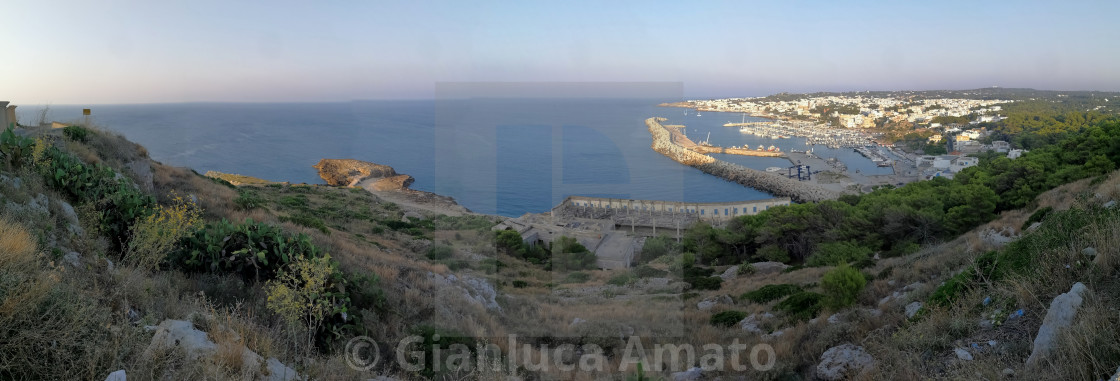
7 115
613 249
962 163
715 212
1001 146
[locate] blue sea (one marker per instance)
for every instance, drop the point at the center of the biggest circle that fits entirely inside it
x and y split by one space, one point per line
495 156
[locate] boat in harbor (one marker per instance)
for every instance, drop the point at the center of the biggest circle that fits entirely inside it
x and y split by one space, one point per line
774 169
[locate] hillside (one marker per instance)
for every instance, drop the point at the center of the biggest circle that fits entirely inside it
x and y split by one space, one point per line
110 261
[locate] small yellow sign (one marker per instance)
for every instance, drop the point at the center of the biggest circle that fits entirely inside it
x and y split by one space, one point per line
85 111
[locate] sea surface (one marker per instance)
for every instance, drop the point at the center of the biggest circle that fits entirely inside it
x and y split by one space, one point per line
495 156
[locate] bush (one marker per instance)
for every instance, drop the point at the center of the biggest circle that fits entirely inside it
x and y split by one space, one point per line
802 305
569 254
842 285
520 284
576 277
727 318
252 250
306 220
76 133
655 247
746 269
705 283
621 279
301 295
437 252
645 271
771 292
248 199
835 253
1037 216
156 235
15 149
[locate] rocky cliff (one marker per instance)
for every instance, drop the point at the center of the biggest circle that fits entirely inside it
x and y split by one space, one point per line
349 172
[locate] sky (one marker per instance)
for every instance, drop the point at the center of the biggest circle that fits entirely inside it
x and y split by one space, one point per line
101 52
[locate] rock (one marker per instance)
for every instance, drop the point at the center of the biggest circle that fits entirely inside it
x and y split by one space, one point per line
1008 373
577 321
843 362
688 375
751 323
730 273
912 309
1116 376
117 376
963 354
986 324
179 333
277 371
1109 205
71 217
480 291
1060 316
1089 252
109 265
73 259
348 172
142 172
14 182
762 268
834 318
773 335
912 286
398 182
197 345
713 301
1034 226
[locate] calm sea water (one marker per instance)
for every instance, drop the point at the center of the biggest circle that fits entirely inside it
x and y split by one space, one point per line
496 156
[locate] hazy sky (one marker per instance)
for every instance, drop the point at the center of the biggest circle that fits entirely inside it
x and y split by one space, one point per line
87 52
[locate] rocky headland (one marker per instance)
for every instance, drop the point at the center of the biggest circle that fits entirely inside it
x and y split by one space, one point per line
384 182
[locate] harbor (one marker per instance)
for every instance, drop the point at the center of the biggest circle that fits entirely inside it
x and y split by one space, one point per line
678 137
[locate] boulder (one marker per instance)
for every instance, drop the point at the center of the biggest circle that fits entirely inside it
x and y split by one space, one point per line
577 321
713 301
1060 316
761 268
688 375
912 309
843 362
73 259
962 354
71 217
397 182
1089 252
117 376
196 345
730 273
752 323
142 173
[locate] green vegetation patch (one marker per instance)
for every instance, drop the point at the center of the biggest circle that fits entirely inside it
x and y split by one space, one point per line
771 292
727 318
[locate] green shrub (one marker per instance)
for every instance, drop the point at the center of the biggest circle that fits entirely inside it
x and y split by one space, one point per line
801 306
952 289
76 133
298 201
746 269
520 284
645 271
306 220
253 250
15 149
771 292
705 283
248 199
576 277
727 318
621 279
569 254
437 252
439 347
772 253
842 285
835 253
1037 216
655 247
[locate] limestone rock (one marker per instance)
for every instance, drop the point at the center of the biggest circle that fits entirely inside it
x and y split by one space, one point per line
14 182
962 354
761 268
397 182
196 345
730 273
1008 372
713 301
843 362
688 375
117 376
73 259
912 309
577 321
1060 316
277 371
752 323
348 172
1034 226
1089 252
142 172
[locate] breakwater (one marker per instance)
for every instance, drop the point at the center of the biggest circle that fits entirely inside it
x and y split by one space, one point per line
776 185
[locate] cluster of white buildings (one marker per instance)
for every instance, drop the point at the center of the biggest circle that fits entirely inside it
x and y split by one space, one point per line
870 109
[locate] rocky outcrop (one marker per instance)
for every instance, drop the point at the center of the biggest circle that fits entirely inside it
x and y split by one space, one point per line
1060 316
348 172
843 362
713 301
197 346
397 182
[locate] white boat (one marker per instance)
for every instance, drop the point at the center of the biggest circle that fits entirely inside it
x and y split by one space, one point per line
774 169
